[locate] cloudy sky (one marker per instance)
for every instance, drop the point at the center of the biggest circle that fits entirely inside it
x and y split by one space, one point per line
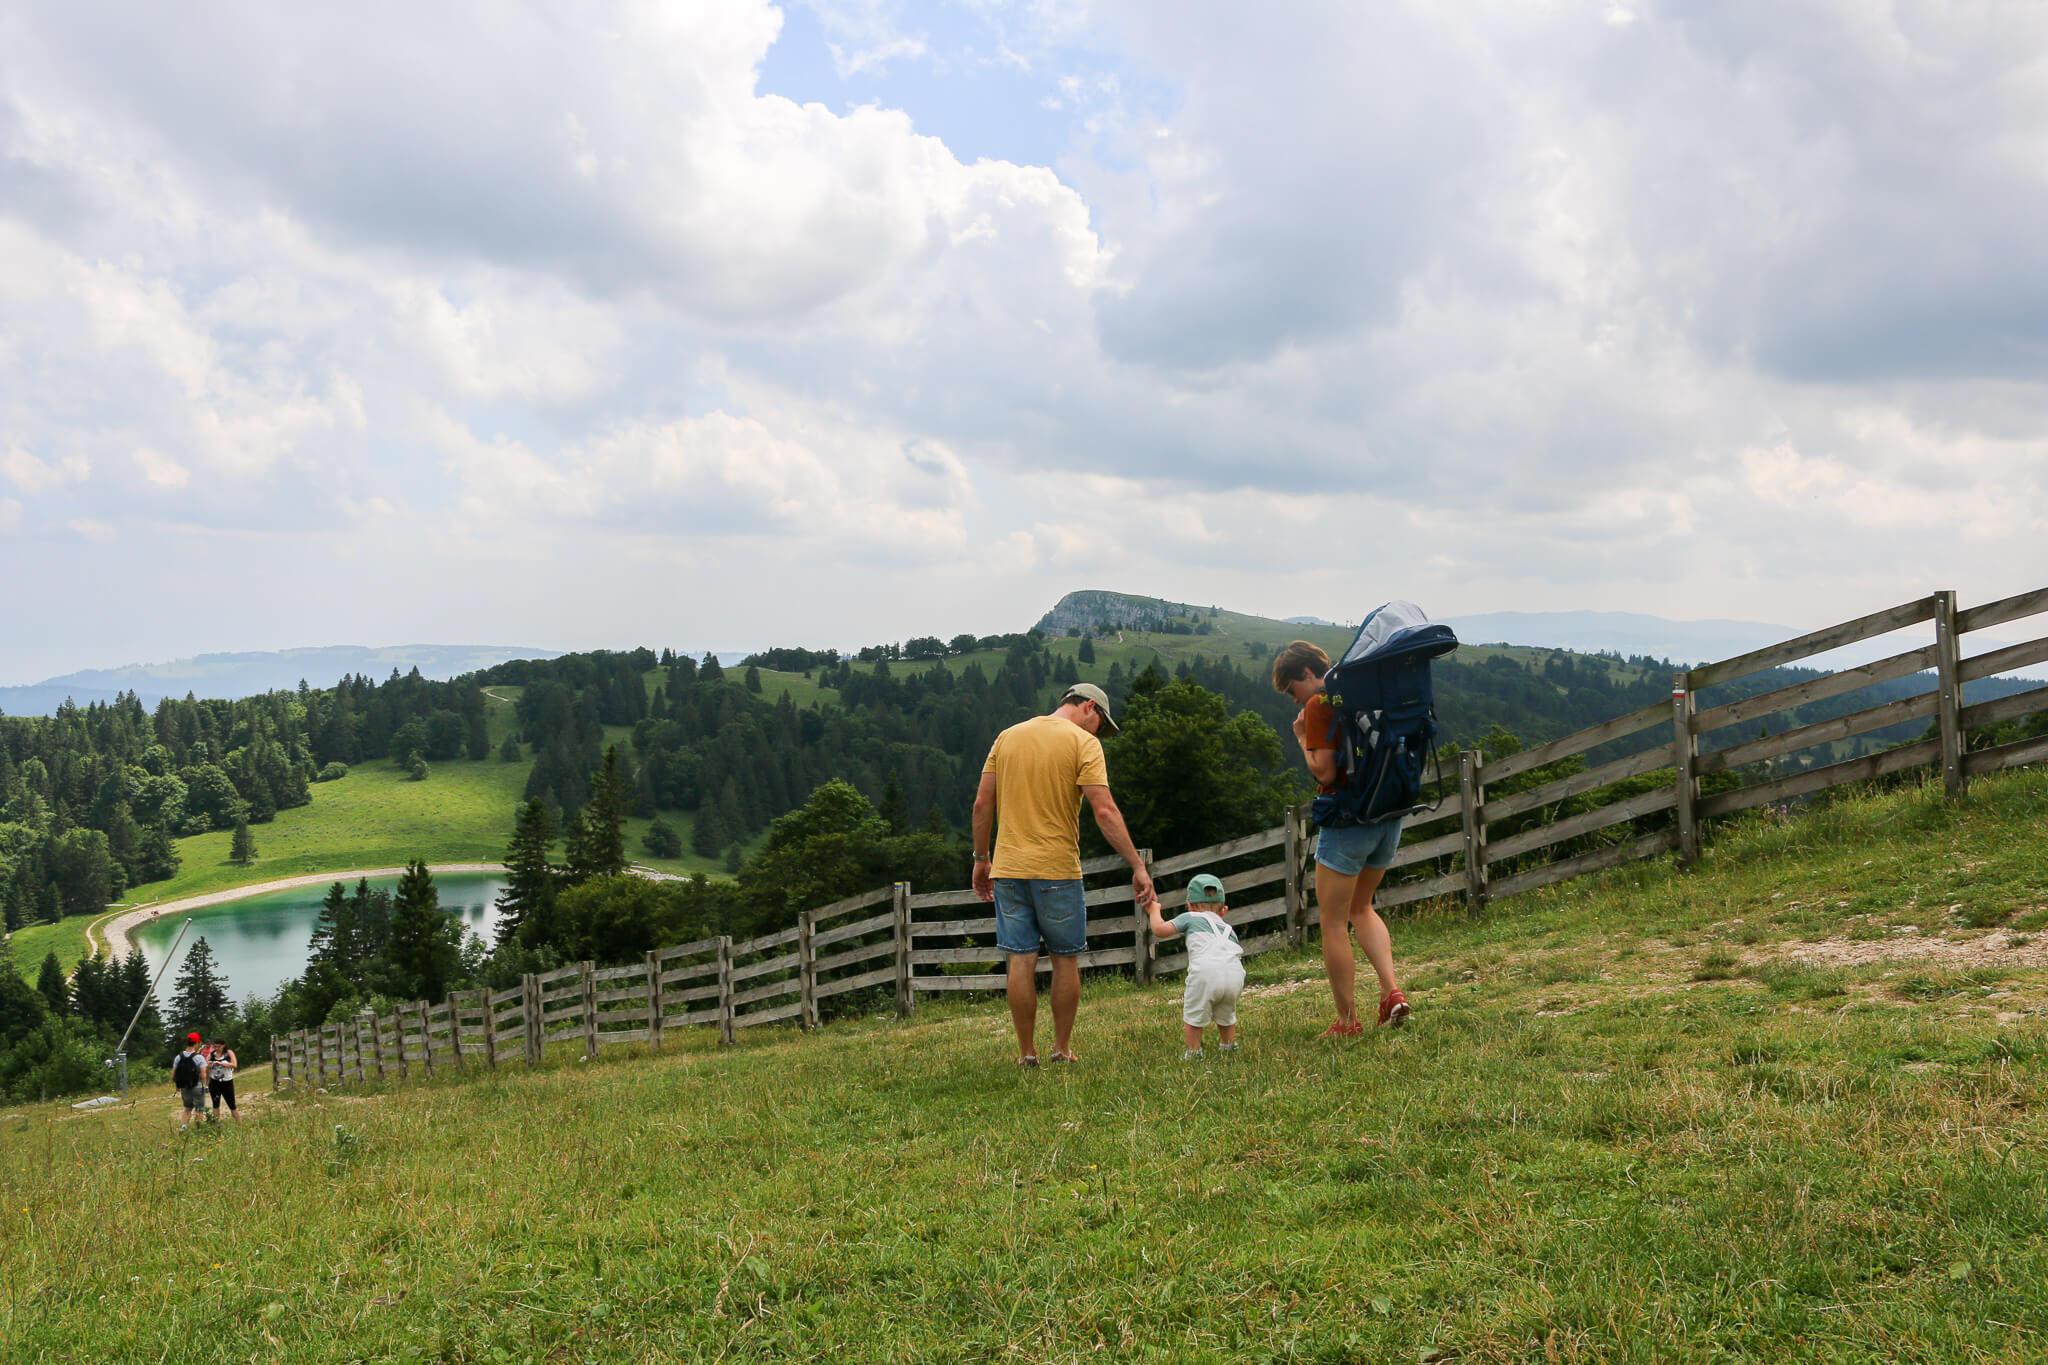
723 323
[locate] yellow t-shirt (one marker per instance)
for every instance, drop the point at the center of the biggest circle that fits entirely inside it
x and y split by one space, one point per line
1041 765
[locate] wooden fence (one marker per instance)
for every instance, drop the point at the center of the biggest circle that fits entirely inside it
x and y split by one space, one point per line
899 944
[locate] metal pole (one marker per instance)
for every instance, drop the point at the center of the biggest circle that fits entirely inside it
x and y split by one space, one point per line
119 1061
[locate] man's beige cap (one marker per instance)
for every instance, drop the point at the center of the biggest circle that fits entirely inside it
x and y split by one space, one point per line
1090 692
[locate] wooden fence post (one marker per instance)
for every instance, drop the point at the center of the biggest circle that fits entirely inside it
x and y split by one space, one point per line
490 1030
1685 753
397 1041
377 1044
320 1034
1141 940
1297 903
426 1013
653 1001
806 972
1472 805
305 1057
529 1016
277 1063
900 903
588 981
356 1027
726 1030
1948 658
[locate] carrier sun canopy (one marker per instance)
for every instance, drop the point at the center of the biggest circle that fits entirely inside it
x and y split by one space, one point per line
1394 631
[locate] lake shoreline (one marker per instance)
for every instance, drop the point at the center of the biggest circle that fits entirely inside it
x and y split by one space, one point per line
113 935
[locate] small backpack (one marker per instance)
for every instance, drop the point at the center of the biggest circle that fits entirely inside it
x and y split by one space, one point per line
185 1071
1383 705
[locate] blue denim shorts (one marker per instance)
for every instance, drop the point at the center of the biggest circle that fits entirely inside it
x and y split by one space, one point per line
1351 850
1031 911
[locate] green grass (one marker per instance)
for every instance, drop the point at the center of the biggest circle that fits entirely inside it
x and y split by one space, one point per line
1575 1153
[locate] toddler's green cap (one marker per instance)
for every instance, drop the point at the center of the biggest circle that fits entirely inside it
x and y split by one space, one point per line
1204 889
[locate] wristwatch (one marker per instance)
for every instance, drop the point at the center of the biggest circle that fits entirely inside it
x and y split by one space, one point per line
984 857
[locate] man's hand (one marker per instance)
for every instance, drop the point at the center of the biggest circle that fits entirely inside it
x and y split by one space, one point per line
984 879
1142 894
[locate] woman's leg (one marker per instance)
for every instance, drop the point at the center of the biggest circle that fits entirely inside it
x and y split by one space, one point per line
1371 929
1334 897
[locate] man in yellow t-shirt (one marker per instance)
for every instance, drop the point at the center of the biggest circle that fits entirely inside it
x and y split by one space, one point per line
1037 775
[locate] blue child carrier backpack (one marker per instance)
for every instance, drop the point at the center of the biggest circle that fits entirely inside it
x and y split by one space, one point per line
1384 721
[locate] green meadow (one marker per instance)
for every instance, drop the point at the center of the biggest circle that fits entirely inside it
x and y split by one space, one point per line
1786 1106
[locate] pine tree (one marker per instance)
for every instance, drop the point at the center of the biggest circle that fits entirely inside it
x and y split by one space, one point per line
424 951
708 833
132 987
661 840
753 680
416 766
329 929
96 991
1087 650
52 986
125 841
160 860
528 897
597 840
199 1003
711 670
242 848
734 859
508 752
894 809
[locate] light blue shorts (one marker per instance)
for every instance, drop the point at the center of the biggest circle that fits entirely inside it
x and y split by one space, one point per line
1035 912
1351 850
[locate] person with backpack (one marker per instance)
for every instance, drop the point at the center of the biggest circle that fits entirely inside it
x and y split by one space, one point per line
1350 859
188 1077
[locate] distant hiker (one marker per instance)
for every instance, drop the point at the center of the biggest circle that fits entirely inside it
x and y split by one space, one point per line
1349 861
1038 773
220 1078
188 1077
1215 965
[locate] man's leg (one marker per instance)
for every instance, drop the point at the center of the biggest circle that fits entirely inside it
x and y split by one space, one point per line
1372 930
1333 907
1066 1002
1023 991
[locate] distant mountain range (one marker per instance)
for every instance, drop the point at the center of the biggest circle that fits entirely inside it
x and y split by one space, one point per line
230 676
1622 632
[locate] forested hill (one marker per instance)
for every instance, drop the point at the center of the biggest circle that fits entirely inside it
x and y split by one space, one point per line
93 799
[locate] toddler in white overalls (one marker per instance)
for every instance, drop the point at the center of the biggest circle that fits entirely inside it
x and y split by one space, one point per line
1215 965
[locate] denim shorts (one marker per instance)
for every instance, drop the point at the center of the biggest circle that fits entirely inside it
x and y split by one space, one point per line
1351 850
1035 911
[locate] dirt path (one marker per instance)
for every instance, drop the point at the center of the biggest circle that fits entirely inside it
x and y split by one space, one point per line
113 934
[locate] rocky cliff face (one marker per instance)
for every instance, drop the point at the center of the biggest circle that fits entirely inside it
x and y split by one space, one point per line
1094 611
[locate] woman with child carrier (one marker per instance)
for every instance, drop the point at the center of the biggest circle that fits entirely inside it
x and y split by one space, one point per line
1350 861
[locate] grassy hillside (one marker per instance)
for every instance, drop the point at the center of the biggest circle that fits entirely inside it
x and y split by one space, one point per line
1789 1106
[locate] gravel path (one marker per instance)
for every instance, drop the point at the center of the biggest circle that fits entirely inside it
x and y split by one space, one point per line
113 935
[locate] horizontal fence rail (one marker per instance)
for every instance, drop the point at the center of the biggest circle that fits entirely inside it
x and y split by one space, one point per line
1542 828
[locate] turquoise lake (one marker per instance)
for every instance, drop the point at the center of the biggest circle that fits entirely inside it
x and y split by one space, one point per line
260 941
